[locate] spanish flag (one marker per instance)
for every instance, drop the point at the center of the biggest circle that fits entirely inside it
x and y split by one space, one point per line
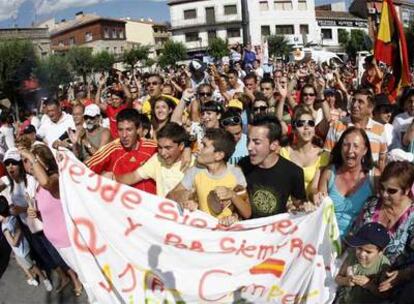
391 47
269 266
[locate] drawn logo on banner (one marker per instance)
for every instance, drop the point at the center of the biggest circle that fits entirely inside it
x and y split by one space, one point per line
269 266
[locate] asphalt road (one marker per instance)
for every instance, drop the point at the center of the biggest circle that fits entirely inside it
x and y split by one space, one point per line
15 290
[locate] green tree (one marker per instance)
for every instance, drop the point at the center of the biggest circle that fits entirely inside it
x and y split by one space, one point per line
409 37
357 41
137 54
343 36
103 61
171 53
217 48
278 46
81 61
52 72
17 61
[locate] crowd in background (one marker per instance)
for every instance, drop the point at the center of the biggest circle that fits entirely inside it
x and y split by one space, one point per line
237 139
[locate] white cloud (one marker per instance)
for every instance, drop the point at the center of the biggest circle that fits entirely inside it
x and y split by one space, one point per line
10 8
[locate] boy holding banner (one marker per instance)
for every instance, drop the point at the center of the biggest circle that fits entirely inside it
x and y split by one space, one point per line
218 187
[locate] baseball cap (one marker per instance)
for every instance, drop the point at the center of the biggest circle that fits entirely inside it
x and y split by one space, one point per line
12 154
370 233
329 92
381 100
235 103
197 65
92 110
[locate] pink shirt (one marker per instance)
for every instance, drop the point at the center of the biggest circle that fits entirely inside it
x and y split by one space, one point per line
54 224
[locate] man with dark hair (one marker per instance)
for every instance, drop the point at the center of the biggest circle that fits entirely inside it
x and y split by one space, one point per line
362 107
56 124
165 166
127 153
271 179
214 177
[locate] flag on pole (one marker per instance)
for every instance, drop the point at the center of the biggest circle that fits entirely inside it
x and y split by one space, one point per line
391 47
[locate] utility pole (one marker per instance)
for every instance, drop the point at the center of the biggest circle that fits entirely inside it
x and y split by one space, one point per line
245 22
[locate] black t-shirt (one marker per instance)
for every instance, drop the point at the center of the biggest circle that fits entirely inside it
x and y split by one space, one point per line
269 189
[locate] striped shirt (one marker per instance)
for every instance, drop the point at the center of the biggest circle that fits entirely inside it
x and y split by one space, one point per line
375 132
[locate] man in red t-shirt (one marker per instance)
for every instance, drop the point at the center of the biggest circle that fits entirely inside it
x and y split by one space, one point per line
115 103
127 153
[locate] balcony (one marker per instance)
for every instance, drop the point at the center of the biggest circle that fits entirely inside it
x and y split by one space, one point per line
202 22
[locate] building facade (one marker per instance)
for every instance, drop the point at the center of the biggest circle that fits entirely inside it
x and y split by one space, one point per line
88 30
147 32
196 22
293 18
38 36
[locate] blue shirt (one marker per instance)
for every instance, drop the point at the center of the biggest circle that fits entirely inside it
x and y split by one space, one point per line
240 151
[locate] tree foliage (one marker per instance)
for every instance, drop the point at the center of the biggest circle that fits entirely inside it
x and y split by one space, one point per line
409 36
278 46
103 61
218 48
137 54
357 41
81 61
52 72
17 61
343 36
171 53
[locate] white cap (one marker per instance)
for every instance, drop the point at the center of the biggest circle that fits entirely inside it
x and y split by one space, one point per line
12 154
92 110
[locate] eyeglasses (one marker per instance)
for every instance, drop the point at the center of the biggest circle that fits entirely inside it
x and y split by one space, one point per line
154 83
10 162
390 191
260 109
300 123
87 117
308 94
231 121
205 94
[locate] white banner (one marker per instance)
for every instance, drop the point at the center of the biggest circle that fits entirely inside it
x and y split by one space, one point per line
133 247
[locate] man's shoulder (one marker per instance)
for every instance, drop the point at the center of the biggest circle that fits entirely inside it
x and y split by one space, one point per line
287 165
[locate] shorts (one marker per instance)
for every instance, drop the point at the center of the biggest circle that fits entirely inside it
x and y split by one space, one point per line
25 262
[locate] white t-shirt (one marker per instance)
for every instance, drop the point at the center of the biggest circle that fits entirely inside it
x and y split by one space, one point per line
8 133
401 124
22 249
50 131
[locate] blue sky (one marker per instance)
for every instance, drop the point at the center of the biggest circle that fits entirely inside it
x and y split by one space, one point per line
24 12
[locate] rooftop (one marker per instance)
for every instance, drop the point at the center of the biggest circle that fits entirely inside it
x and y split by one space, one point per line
80 20
174 2
325 14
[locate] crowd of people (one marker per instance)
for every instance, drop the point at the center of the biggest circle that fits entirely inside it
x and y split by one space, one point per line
238 140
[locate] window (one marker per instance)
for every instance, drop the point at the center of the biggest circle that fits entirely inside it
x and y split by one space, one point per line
191 37
115 50
190 14
122 49
265 30
114 34
72 41
285 29
233 32
264 5
121 34
326 33
106 33
88 36
230 9
302 5
304 29
283 5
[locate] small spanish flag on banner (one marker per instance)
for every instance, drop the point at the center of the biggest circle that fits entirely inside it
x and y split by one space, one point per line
269 266
391 47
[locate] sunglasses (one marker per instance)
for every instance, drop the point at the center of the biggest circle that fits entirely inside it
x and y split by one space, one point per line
231 121
10 162
260 109
300 123
308 94
389 191
87 117
205 94
154 83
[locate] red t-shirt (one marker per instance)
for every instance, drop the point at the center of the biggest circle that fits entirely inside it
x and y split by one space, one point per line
114 158
111 113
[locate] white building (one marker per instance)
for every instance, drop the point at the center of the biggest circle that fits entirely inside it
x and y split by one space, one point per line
196 22
293 18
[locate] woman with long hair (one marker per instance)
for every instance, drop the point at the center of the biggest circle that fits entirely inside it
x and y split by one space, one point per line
161 111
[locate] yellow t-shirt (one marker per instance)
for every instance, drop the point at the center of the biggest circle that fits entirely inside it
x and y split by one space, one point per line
309 171
166 178
203 182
